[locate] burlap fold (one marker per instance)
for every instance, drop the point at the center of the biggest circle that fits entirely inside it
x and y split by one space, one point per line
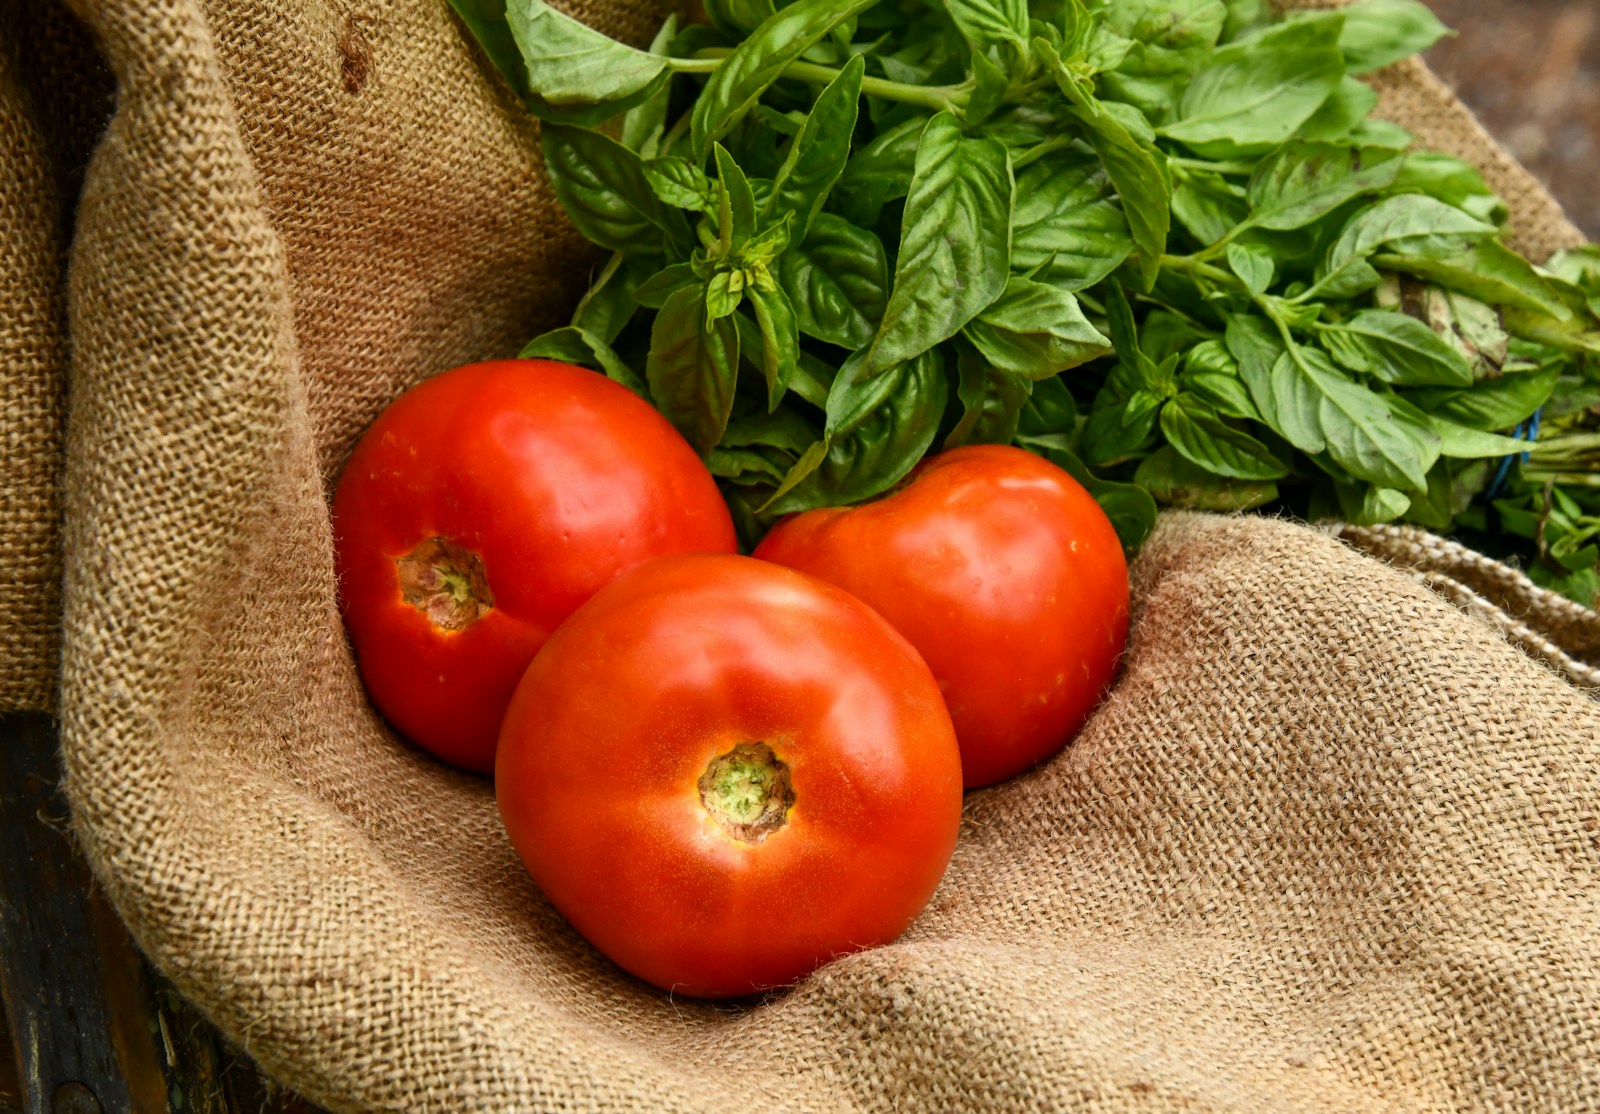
1331 844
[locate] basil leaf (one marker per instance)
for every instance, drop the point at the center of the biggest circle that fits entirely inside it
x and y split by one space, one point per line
818 154
1489 272
1452 181
693 367
987 23
1397 349
1344 115
486 19
877 431
1064 217
1172 36
780 348
602 186
955 243
837 281
1461 442
1378 33
1119 432
879 172
645 124
1181 483
1304 182
680 183
1036 331
653 292
1255 94
737 18
1492 404
573 345
1316 407
1193 428
1258 348
1412 224
1254 265
781 429
737 84
991 400
610 302
1204 204
570 64
1368 505
1049 409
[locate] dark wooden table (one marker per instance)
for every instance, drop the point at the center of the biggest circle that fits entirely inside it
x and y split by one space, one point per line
88 1026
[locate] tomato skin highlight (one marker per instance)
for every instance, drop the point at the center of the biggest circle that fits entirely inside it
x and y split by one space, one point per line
1005 575
552 477
684 660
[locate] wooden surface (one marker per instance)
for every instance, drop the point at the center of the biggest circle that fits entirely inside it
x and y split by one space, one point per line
89 1027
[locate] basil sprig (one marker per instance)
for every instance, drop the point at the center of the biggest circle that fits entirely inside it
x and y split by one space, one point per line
1162 242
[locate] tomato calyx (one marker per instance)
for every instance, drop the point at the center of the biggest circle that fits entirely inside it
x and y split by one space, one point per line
748 792
445 582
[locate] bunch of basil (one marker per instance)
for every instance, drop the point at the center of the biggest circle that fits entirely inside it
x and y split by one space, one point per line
1162 242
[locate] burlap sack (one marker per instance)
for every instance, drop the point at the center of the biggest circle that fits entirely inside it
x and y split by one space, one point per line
1332 843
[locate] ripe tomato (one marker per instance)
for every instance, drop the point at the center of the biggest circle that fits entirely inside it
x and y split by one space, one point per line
724 773
481 508
1005 575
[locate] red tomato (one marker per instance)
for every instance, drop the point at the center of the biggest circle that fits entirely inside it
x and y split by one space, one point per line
724 773
478 512
1005 575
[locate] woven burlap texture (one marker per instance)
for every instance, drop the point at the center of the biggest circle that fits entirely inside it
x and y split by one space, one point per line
1332 844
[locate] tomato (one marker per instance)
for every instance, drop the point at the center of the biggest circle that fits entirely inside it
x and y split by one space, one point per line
1005 575
723 773
479 510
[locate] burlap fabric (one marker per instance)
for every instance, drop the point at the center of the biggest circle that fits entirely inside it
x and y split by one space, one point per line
1332 843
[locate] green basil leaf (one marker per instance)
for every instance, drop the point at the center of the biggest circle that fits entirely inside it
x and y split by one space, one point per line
1120 431
653 292
1378 33
1489 272
1370 505
610 302
1304 182
1317 408
486 19
1255 94
737 84
680 183
741 211
1193 428
745 466
1412 224
737 18
879 173
955 243
602 186
988 23
1036 331
570 64
990 84
991 401
724 294
1049 409
1452 181
1344 115
1254 264
1227 393
1397 349
782 429
879 429
1258 348
780 347
818 154
573 345
1492 404
1205 205
645 124
1461 442
837 281
1137 169
1173 36
1064 217
693 367
1178 482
